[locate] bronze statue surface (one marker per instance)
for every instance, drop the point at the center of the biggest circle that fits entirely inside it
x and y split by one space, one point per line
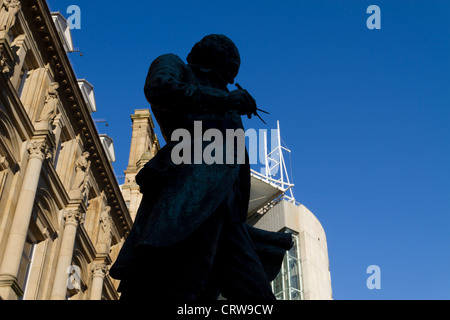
190 240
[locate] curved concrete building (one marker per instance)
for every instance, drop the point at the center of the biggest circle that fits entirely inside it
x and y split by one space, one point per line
305 274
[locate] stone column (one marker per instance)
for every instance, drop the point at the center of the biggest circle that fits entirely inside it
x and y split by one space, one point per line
73 219
9 288
99 272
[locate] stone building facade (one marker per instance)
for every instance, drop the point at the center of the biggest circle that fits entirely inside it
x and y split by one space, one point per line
62 214
144 146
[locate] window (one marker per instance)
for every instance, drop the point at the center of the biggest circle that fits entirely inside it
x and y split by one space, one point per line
25 263
57 153
24 74
288 284
3 176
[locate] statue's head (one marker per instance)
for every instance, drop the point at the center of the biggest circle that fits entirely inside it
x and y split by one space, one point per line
217 52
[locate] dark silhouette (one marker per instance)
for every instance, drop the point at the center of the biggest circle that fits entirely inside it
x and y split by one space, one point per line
190 241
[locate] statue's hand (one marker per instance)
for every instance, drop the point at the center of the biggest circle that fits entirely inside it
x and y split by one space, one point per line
243 102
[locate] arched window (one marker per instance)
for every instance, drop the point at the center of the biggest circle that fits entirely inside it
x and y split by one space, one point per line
9 142
78 278
9 151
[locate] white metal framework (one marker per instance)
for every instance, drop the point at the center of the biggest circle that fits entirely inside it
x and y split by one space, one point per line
268 189
274 184
288 284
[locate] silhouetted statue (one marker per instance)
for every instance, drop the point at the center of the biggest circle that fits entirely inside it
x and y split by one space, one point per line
190 240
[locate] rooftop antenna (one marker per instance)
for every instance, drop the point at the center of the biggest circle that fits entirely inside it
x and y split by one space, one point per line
73 51
102 121
278 167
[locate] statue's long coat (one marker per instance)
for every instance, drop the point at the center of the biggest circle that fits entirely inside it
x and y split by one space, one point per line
179 198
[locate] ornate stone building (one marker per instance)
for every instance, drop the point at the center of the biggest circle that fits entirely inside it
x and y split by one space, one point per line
62 214
144 146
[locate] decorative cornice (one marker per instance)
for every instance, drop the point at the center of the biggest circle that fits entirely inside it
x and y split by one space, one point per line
37 12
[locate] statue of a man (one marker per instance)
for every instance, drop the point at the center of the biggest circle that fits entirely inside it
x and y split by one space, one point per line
104 236
82 168
189 240
50 110
8 13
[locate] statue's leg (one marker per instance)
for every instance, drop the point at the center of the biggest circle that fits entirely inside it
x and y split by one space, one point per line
238 271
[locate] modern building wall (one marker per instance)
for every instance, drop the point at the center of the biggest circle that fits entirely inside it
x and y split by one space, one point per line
313 268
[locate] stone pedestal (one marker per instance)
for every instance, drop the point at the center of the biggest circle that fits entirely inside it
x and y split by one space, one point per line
43 126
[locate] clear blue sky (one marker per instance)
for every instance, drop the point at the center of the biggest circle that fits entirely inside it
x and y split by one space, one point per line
366 114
